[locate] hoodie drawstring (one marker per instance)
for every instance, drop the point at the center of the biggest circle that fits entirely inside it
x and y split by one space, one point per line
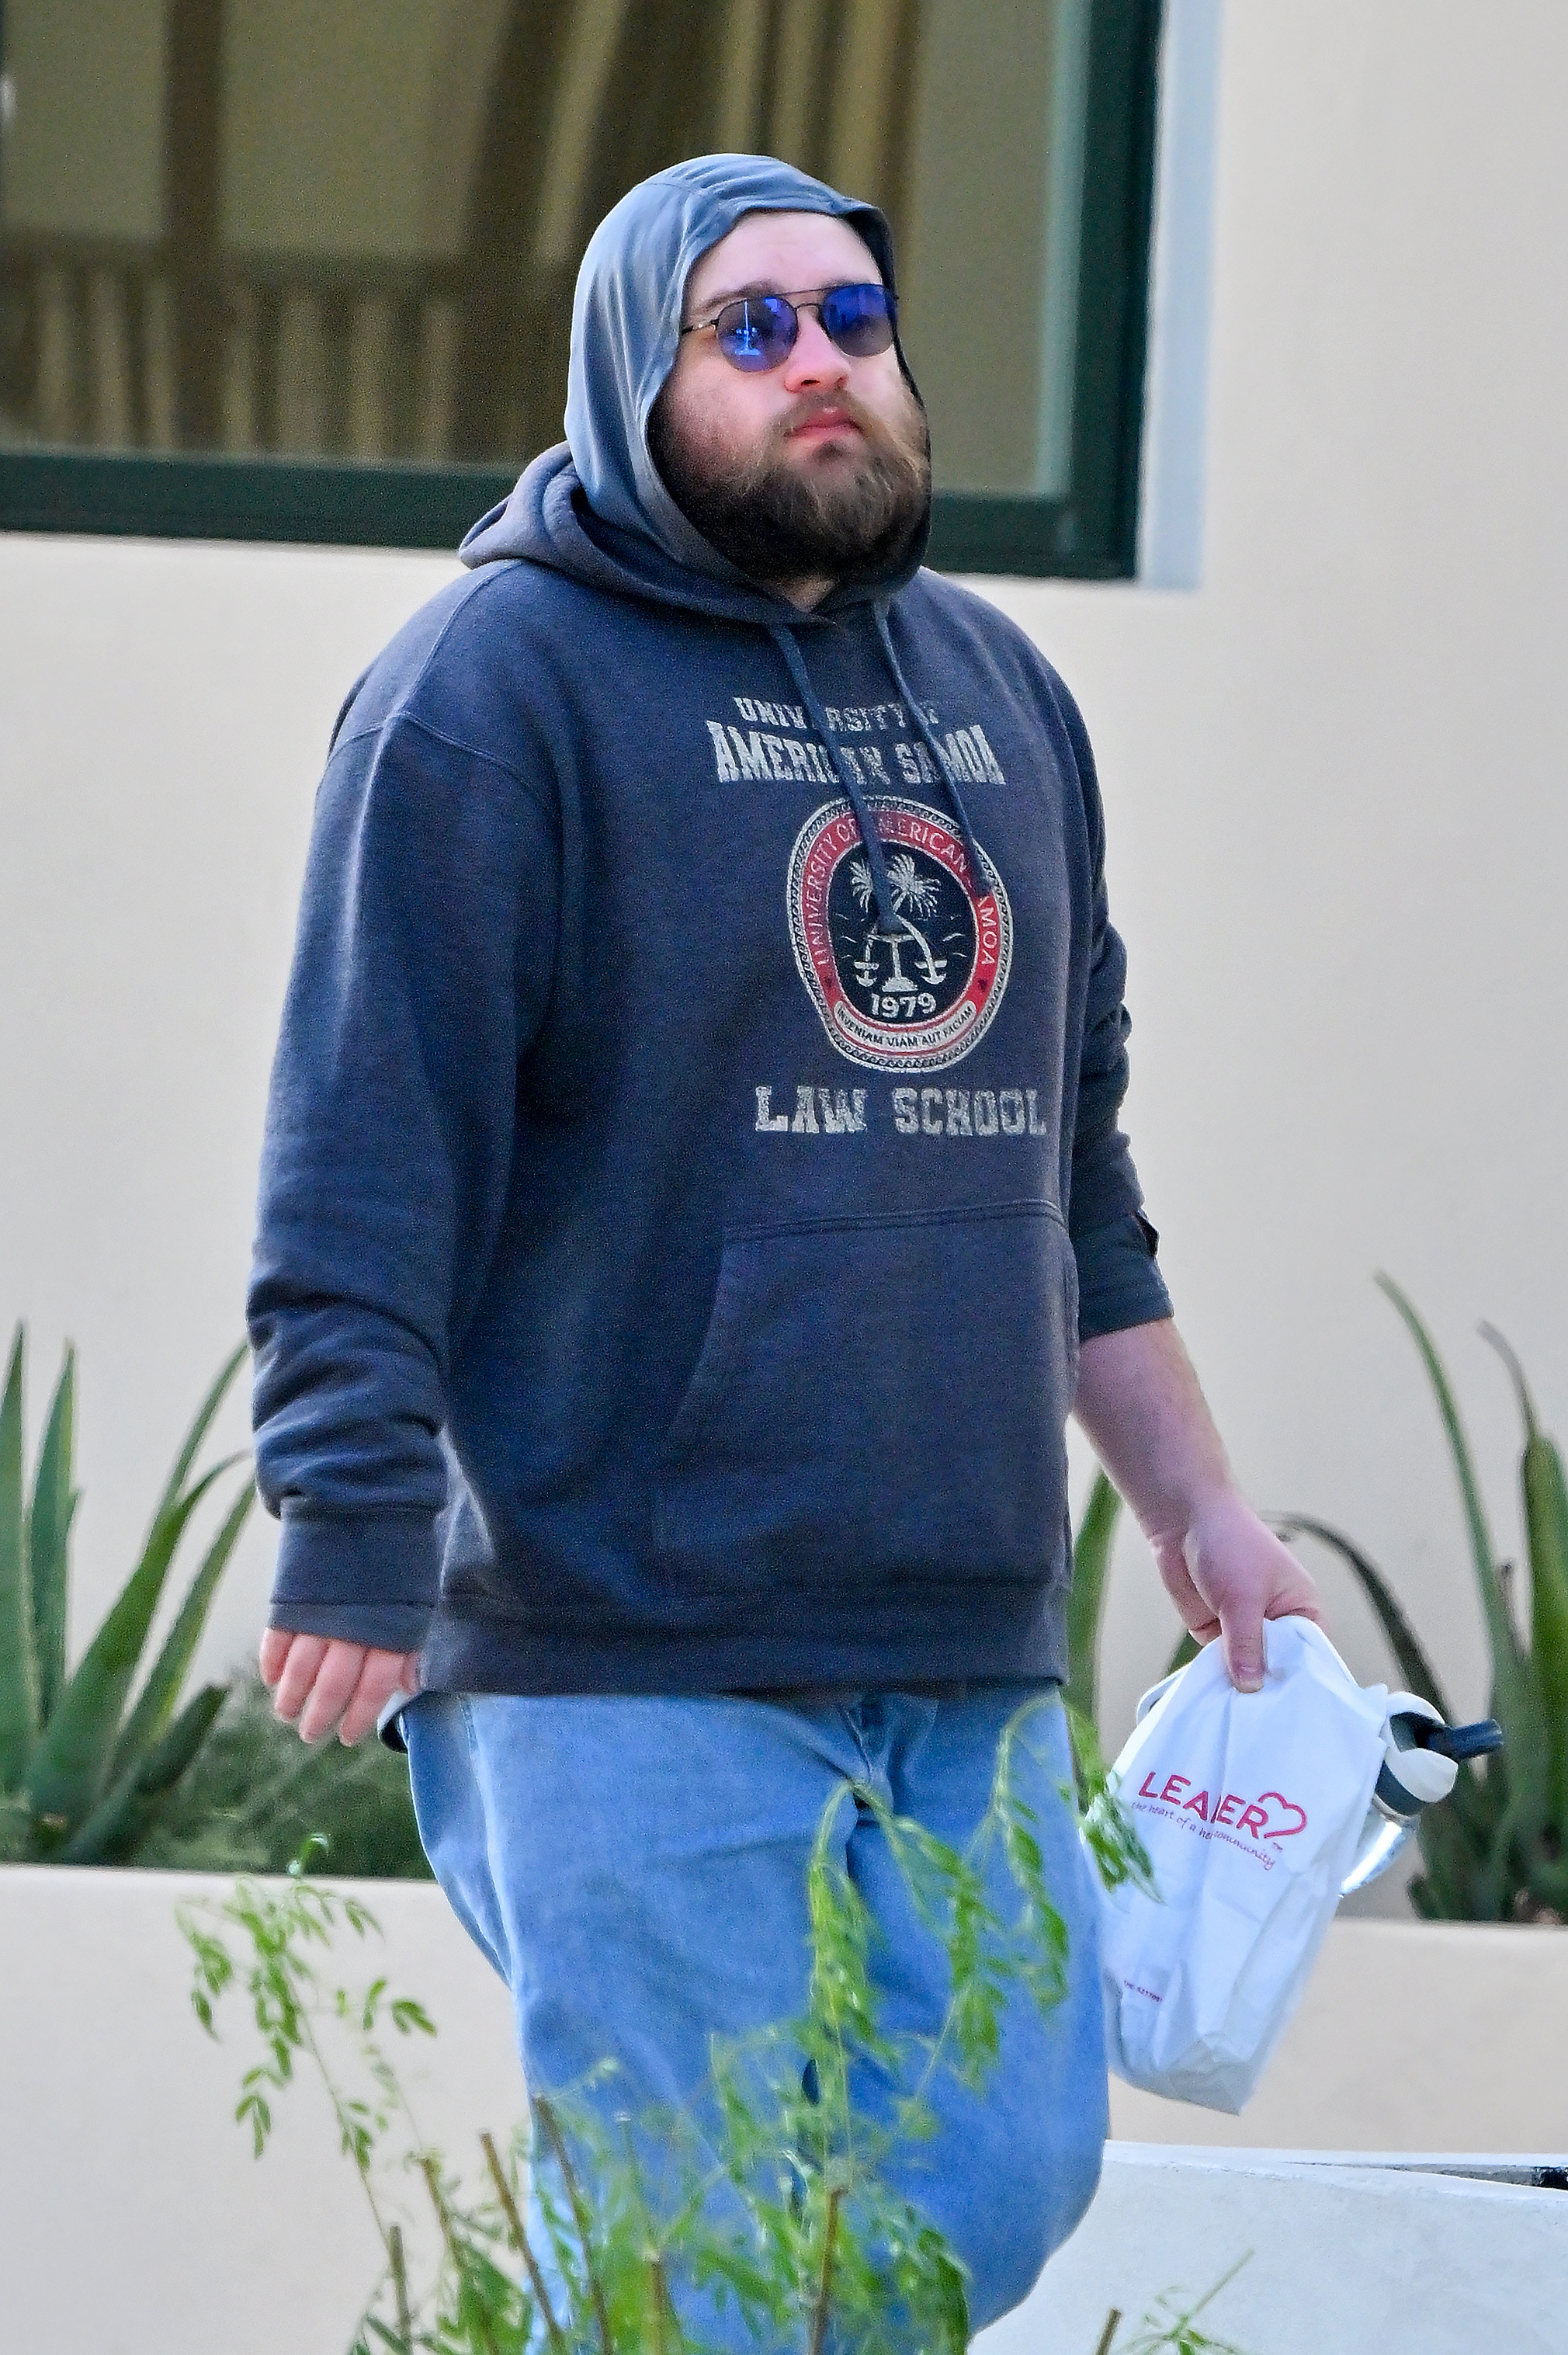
784 639
941 761
887 915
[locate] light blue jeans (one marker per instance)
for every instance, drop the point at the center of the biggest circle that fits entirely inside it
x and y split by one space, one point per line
635 1868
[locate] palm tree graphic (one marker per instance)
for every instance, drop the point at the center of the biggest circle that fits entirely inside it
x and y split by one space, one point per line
911 891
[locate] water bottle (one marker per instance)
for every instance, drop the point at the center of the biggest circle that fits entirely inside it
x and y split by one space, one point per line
1421 1757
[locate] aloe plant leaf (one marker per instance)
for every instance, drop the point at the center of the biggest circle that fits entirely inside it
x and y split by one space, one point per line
1452 1865
1501 1875
1513 1701
49 1517
1187 1649
18 1677
200 1426
1419 1675
133 1802
1545 1496
1545 1874
1086 1599
65 1772
156 1702
1481 1546
1459 1840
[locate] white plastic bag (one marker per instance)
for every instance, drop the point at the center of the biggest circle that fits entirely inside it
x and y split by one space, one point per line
1251 1807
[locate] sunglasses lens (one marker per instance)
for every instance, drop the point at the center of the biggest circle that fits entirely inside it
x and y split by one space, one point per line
859 319
756 331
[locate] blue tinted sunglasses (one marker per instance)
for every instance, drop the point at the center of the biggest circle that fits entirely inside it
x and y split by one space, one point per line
758 331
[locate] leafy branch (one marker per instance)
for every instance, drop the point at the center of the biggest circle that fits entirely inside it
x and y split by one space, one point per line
766 2206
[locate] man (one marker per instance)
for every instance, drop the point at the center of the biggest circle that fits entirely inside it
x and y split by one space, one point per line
693 1201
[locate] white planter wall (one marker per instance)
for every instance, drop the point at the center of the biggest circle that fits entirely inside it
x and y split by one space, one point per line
134 2218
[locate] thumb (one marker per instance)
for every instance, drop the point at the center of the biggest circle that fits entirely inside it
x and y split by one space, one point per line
1245 1658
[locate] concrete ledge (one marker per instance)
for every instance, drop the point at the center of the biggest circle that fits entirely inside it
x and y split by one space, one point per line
1347 2257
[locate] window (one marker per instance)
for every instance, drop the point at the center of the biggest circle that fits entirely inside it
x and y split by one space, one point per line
303 269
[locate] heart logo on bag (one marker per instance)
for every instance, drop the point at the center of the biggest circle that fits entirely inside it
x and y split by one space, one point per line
1261 1818
1283 1832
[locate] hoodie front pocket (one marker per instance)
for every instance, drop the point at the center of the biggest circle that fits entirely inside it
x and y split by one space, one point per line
876 1399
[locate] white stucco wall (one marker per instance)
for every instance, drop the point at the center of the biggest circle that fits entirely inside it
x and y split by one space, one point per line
1334 776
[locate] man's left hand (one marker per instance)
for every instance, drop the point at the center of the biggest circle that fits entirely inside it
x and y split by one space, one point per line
1139 1401
1228 1573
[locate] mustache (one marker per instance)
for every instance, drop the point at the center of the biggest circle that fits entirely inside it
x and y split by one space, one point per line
812 405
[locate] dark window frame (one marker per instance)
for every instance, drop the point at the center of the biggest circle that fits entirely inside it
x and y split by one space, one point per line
1090 533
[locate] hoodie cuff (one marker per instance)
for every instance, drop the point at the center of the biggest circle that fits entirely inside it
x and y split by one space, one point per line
370 1580
1119 1283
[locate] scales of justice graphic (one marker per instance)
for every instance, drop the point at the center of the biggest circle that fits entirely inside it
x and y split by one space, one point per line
911 889
918 993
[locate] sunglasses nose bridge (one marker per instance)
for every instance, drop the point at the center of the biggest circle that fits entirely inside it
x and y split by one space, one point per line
813 351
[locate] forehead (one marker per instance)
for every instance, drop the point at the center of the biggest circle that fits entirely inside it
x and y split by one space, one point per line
779 252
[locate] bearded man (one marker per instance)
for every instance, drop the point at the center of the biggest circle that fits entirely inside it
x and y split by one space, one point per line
693 1201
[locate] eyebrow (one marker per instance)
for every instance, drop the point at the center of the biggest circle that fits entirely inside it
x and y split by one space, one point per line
766 286
735 294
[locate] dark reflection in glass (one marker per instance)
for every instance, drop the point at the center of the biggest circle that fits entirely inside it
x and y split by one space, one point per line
351 227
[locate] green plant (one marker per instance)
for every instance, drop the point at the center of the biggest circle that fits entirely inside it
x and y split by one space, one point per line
772 2207
1497 1850
1171 2325
255 1792
83 1777
1092 1547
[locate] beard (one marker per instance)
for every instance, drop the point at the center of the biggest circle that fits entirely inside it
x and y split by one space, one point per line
777 521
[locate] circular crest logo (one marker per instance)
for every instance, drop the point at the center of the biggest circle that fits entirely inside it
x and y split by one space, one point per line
918 996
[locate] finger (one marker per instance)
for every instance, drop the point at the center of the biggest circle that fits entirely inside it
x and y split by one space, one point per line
1294 1607
1245 1655
379 1678
297 1675
331 1694
275 1643
409 1674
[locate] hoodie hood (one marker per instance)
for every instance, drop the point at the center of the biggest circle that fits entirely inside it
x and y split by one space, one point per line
597 507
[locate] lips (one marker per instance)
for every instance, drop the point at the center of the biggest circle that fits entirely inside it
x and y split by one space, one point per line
825 421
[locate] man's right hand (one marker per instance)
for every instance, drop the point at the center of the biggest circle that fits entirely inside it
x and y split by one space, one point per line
319 1681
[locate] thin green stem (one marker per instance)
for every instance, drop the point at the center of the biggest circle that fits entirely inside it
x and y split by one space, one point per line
455 2249
1113 2320
660 2296
824 2286
1185 2320
950 2018
974 1854
580 2217
557 2337
400 2288
346 2124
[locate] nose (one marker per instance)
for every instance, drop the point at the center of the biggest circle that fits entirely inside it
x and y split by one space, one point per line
816 360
